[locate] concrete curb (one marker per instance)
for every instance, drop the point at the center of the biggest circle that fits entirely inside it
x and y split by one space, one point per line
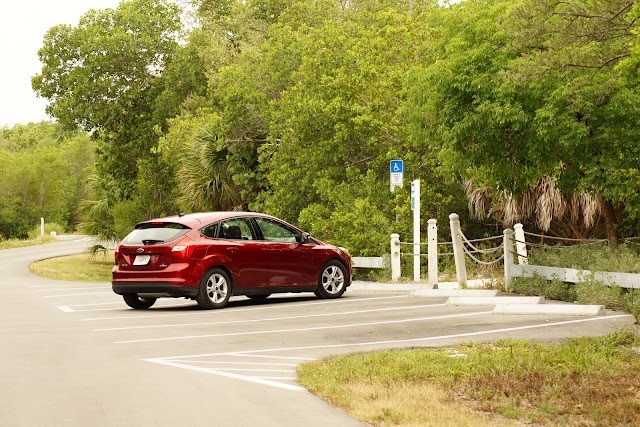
472 285
386 287
460 293
503 304
561 309
503 300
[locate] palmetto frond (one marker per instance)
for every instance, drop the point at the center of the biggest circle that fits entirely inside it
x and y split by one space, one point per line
543 206
205 177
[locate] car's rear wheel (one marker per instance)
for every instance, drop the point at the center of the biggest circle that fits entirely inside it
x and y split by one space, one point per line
215 289
260 297
333 280
134 301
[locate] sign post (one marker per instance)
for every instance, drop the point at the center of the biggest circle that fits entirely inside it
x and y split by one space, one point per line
415 205
396 169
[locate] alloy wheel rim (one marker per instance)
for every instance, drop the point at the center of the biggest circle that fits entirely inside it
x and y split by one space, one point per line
332 279
217 288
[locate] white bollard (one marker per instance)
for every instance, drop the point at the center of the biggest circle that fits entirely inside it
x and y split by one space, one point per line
415 205
432 248
458 250
395 257
508 257
42 226
521 246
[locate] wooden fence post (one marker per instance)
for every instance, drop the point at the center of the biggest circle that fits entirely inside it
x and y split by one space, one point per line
432 251
508 257
521 246
458 249
395 257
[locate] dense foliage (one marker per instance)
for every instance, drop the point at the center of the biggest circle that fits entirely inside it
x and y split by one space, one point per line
296 107
43 175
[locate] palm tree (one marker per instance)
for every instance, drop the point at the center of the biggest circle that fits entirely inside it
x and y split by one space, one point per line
545 207
205 177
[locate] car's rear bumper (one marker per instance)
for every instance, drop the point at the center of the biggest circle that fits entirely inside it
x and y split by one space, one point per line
154 288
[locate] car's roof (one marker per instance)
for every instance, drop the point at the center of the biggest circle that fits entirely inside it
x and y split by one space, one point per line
196 219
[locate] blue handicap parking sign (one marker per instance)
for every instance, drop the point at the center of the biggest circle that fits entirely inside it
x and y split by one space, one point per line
396 166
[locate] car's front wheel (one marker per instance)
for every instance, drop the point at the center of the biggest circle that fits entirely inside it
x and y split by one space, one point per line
333 280
215 289
138 303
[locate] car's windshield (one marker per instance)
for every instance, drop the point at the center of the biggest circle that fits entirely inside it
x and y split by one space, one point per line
154 233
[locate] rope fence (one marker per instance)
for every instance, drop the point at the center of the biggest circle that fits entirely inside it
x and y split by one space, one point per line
510 250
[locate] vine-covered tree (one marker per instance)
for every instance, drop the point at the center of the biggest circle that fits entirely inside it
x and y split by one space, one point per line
519 91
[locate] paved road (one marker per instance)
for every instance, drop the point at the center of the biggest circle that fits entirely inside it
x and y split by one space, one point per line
73 354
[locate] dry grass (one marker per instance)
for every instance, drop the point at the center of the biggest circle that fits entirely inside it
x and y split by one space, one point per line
21 243
83 267
413 405
582 382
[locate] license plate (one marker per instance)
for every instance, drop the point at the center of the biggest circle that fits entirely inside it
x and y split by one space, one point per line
142 260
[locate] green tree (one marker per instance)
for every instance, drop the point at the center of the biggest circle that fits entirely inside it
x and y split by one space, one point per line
42 175
516 91
105 76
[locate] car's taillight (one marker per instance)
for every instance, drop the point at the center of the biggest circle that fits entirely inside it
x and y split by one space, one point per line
116 254
183 249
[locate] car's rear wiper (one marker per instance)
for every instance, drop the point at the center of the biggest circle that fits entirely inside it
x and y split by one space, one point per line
152 241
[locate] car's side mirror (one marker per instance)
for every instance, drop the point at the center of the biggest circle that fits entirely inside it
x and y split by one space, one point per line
304 237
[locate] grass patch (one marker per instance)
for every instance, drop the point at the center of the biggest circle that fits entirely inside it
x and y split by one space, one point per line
22 243
624 258
585 381
82 267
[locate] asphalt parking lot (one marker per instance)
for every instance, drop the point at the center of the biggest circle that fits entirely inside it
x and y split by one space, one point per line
264 342
134 358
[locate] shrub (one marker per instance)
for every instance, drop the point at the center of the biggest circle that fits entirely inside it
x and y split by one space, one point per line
49 227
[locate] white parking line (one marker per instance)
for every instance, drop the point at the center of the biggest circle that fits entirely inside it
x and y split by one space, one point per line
252 353
278 378
269 319
252 308
68 309
71 289
259 355
76 295
229 375
280 331
214 362
253 370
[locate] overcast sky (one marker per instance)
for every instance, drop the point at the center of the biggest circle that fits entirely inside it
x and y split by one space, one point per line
23 24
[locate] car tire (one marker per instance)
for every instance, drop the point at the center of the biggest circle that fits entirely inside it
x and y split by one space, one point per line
215 290
333 280
138 303
259 298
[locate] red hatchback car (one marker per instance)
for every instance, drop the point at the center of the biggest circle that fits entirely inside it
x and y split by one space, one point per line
211 256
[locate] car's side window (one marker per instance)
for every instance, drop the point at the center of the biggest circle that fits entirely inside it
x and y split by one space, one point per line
274 231
236 229
210 231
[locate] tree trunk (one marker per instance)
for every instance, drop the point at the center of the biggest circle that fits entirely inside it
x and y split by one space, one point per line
611 222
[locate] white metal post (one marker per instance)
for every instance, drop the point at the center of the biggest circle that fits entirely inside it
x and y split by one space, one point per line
395 257
458 250
432 248
521 246
42 226
508 257
415 205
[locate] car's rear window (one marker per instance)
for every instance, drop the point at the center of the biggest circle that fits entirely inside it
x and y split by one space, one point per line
154 233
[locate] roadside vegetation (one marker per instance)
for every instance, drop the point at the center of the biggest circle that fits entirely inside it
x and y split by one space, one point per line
583 381
623 258
21 243
295 108
86 267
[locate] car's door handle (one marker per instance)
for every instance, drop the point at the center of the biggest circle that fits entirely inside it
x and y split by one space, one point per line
232 250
